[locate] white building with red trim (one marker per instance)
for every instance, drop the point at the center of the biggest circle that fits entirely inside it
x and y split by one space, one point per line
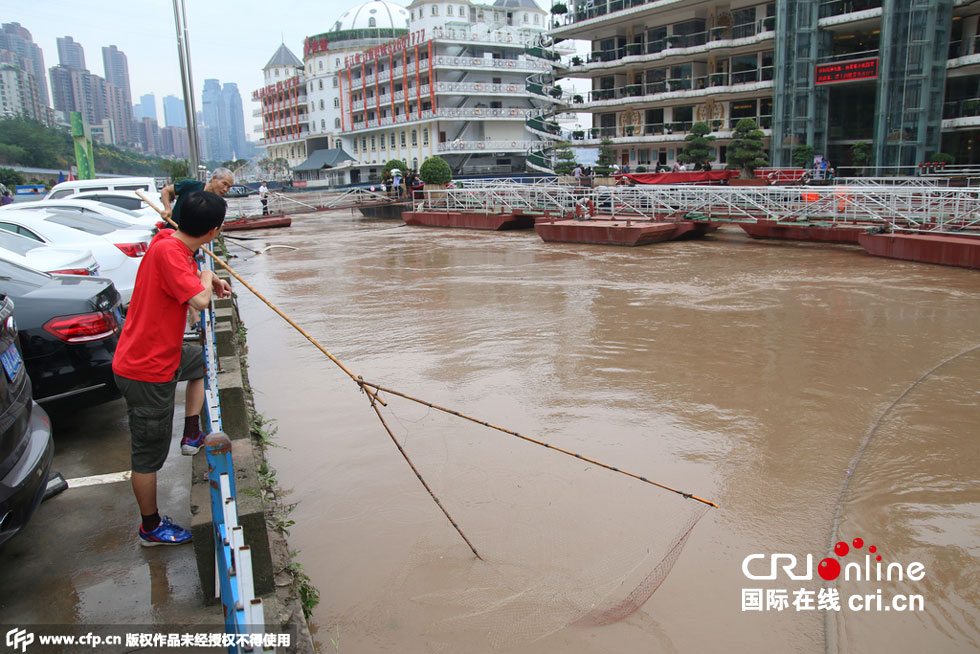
469 82
283 108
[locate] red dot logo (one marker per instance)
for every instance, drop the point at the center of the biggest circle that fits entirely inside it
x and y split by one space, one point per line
858 543
829 569
841 549
873 549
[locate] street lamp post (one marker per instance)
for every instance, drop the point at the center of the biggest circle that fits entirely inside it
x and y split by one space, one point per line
184 54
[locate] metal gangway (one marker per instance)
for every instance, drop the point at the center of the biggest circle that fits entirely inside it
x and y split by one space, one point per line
244 612
901 208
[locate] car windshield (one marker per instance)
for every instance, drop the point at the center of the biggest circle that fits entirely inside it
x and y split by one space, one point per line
17 244
89 223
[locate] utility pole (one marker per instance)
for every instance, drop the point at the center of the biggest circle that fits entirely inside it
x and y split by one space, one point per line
184 54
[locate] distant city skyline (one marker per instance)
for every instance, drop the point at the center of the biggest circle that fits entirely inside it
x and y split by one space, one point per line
232 46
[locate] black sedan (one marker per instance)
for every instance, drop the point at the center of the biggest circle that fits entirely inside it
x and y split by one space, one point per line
69 326
26 446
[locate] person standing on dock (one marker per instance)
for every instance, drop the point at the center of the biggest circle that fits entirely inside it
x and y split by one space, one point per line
221 181
264 197
151 356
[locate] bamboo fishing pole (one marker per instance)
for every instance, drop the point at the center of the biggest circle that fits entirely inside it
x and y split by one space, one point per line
371 393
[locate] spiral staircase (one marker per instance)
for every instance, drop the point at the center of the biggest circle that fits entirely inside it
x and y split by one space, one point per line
547 97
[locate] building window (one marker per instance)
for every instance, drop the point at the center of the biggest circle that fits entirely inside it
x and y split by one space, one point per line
321 85
321 64
415 137
363 143
435 10
322 106
323 123
449 10
537 19
335 82
277 72
374 145
336 102
336 123
372 22
336 64
383 144
525 17
392 140
355 145
403 139
425 137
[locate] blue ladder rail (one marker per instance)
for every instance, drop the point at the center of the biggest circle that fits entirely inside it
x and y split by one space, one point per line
244 613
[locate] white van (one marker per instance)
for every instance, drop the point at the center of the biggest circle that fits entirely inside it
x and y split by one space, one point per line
68 189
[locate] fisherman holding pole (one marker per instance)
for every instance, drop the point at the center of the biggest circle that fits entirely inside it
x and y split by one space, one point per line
151 356
221 180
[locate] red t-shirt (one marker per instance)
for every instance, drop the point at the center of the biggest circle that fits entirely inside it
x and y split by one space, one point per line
150 344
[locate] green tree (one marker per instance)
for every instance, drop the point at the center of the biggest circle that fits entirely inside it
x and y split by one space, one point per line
10 177
435 170
606 159
747 152
697 145
803 156
564 158
943 157
175 168
861 153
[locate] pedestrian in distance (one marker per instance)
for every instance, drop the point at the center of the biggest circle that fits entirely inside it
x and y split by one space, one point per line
151 356
264 197
6 198
221 181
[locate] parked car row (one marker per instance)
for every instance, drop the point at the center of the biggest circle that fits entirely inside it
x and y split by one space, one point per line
66 268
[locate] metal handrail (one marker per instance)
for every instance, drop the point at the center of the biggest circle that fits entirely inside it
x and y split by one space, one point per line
918 208
244 612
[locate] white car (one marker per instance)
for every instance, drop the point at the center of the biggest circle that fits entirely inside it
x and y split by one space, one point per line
139 219
127 200
67 189
46 258
118 251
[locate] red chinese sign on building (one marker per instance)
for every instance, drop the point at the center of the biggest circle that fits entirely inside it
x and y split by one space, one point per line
385 49
847 71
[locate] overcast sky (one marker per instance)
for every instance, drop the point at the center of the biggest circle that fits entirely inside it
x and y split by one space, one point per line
229 41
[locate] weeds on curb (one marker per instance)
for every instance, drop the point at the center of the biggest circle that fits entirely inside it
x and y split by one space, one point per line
309 596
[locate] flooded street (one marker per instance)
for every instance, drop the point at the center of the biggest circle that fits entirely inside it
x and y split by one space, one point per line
762 376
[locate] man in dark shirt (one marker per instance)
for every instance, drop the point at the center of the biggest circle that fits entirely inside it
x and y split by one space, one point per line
221 181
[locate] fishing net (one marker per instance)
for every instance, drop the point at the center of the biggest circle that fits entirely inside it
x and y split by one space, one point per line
564 542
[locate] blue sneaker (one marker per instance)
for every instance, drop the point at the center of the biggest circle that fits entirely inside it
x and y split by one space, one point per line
191 446
166 533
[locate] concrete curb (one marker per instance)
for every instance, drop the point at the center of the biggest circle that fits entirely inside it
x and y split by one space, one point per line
270 552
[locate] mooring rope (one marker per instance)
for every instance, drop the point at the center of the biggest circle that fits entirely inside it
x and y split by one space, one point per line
372 391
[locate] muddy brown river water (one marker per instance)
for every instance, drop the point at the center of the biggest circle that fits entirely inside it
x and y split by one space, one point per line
793 385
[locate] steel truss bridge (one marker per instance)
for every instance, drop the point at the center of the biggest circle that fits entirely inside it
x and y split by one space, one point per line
905 207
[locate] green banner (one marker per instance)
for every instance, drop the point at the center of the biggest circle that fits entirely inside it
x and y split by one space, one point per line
84 157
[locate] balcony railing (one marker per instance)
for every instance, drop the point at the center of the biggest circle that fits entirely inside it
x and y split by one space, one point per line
477 88
519 64
386 75
838 7
764 74
677 128
678 42
961 108
385 99
488 146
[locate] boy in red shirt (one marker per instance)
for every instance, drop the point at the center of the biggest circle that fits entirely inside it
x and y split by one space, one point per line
151 356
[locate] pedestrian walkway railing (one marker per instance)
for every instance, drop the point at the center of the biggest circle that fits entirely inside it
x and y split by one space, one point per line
244 613
916 208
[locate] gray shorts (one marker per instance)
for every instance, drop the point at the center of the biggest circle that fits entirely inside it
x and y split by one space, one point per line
150 406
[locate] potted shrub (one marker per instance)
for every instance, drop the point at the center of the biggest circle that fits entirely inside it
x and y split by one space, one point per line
634 90
559 8
718 33
435 173
970 107
576 60
577 99
555 91
674 40
634 49
641 169
718 79
578 135
715 125
746 152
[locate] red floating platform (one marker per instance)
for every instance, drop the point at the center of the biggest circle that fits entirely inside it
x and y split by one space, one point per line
832 233
257 223
600 231
961 250
468 220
